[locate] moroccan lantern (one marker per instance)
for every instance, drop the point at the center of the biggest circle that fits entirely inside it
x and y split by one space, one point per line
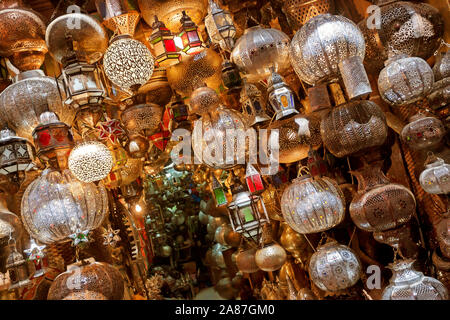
17 268
334 267
178 109
230 75
393 35
353 127
190 35
423 132
252 104
405 80
218 139
295 136
311 205
56 205
298 12
327 47
435 179
53 140
10 224
220 26
281 97
142 118
128 63
254 180
409 284
296 244
271 198
204 100
100 278
163 43
245 261
380 205
31 94
137 146
271 257
260 49
22 31
16 153
90 161
220 197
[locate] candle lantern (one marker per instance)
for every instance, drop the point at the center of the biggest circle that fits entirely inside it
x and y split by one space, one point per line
16 153
218 192
252 104
230 75
17 268
247 212
163 44
254 180
178 109
53 140
281 97
220 26
190 36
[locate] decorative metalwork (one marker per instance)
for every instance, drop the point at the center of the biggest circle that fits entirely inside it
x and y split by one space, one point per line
435 178
299 12
16 153
423 132
142 118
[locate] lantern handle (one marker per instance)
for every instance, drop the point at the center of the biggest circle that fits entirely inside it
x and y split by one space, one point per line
303 169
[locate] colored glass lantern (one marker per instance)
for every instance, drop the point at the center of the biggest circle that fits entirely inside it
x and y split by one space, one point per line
281 97
53 140
178 110
163 44
219 194
230 75
220 26
254 180
160 139
16 153
190 35
253 104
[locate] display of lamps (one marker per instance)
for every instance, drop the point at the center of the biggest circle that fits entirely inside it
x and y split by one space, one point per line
260 49
57 205
22 31
405 80
31 94
191 38
90 161
53 140
163 43
220 26
16 153
328 47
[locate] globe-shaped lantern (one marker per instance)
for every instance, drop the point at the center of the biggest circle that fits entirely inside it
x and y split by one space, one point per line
57 205
435 178
311 205
271 257
260 49
31 94
128 63
327 46
218 139
245 261
96 280
90 161
204 100
334 267
423 132
142 118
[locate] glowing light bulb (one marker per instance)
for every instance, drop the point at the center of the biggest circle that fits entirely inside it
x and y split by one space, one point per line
138 208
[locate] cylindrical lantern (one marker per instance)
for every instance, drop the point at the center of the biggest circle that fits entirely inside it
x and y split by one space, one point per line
334 267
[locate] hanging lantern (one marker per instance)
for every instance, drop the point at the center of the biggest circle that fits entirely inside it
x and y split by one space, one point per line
137 146
281 97
163 44
328 46
299 12
271 199
22 32
204 100
423 132
220 197
16 153
353 127
90 161
56 204
10 224
247 212
379 204
296 244
213 138
87 276
405 80
254 180
271 257
31 94
313 205
128 63
53 140
258 50
178 110
435 178
190 35
142 118
220 26
393 35
409 284
245 261
17 268
334 267
253 104
157 90
295 136
230 75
